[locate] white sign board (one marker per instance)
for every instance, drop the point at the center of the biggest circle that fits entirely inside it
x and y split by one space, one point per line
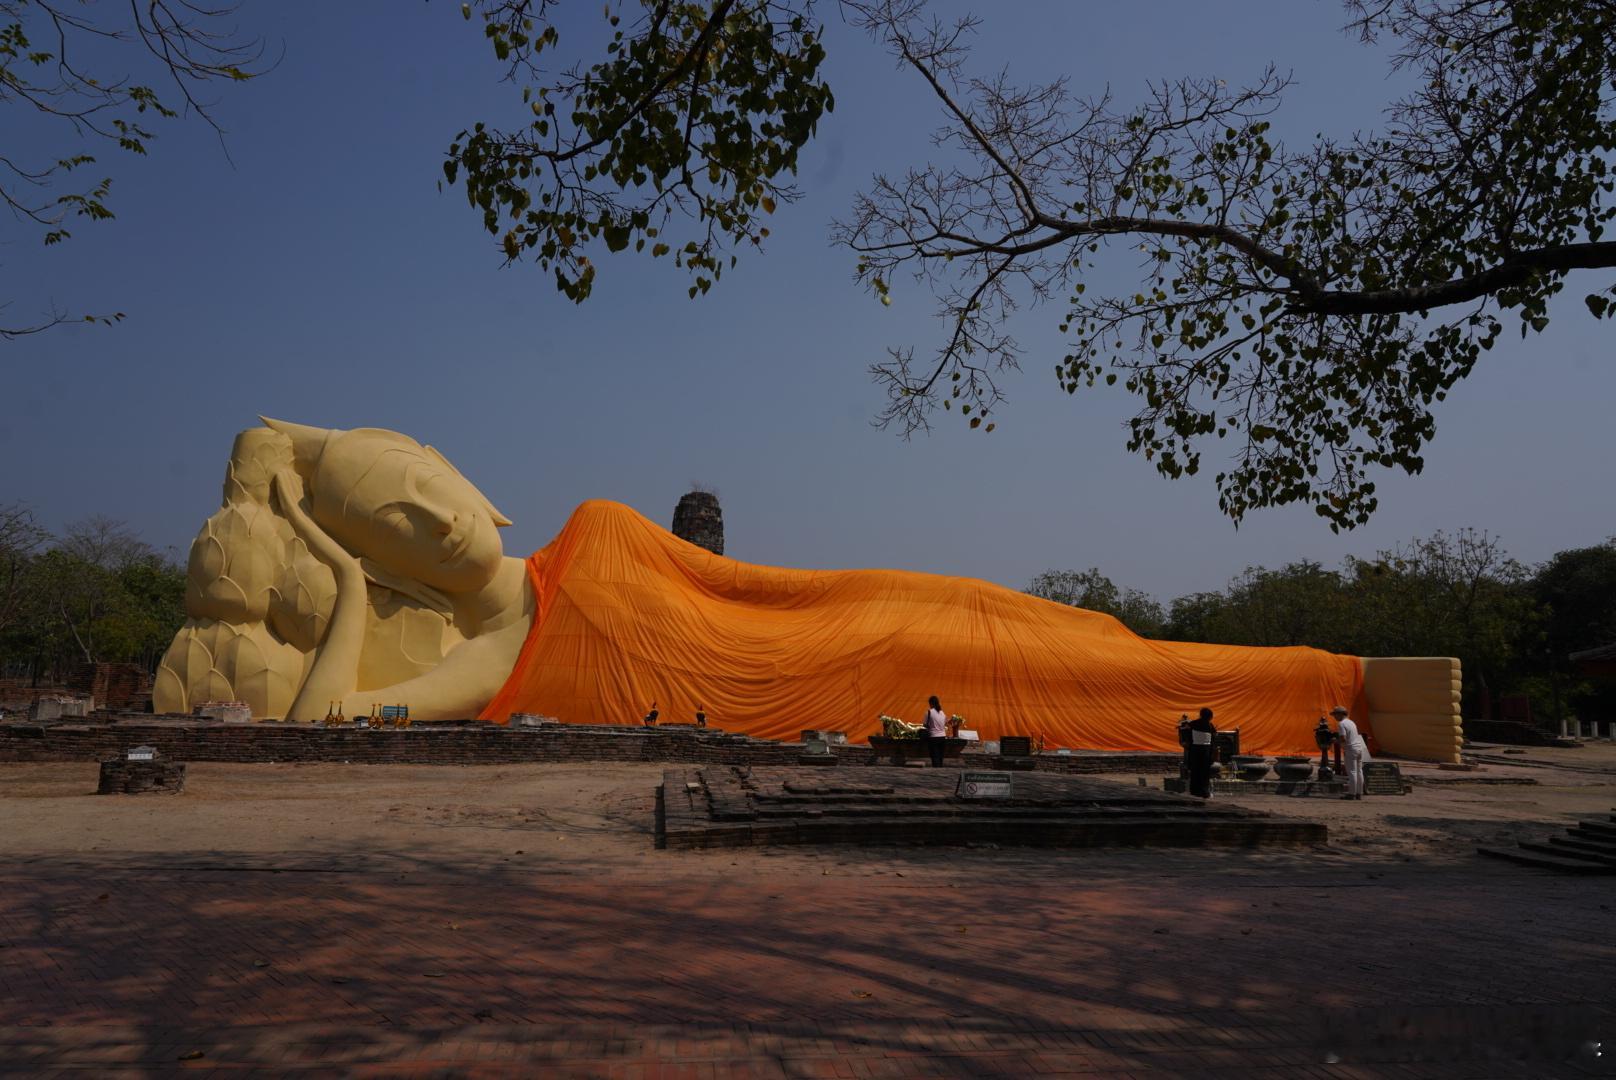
141 753
983 785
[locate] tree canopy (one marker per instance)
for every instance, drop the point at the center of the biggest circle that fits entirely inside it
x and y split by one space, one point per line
55 59
1310 304
681 141
1138 611
97 592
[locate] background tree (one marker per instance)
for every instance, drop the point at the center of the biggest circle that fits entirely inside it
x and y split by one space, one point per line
681 141
20 538
1574 594
1312 304
1447 595
1195 617
1301 603
1577 589
1138 611
1458 594
98 593
55 58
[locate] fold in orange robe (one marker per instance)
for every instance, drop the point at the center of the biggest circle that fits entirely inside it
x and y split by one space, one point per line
629 614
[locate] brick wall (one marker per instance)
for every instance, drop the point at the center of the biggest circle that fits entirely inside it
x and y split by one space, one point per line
699 520
115 687
16 695
460 743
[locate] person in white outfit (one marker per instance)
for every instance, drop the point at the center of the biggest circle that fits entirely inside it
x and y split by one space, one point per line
1354 751
936 731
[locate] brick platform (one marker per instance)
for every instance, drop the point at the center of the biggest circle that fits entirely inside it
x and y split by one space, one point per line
464 743
120 776
729 806
1091 971
120 687
1296 788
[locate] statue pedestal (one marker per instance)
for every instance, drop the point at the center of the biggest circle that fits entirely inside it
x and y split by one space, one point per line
130 776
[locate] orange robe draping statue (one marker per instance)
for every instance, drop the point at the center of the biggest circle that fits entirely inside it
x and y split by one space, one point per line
629 613
360 567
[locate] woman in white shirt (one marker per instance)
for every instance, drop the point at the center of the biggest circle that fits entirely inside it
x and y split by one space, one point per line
936 731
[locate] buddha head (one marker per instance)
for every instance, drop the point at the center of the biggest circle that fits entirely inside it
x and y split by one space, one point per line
387 498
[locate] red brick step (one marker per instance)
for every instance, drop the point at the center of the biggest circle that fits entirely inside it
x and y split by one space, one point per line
1547 862
1557 850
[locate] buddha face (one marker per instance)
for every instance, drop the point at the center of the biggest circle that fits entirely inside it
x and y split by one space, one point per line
387 498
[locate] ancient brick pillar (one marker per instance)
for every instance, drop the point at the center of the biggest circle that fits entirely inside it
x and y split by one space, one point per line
698 519
118 687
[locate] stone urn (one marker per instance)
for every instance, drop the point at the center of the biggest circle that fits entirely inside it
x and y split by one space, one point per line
1294 769
1251 767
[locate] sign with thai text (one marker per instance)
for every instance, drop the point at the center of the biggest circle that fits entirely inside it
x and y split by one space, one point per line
1382 778
141 753
983 785
1015 745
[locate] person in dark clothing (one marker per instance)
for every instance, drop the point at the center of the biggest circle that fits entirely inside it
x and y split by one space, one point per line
1199 752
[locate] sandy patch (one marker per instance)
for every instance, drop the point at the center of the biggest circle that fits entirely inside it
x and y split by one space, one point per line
595 818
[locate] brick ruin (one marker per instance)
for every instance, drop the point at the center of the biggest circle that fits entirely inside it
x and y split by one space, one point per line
114 687
698 520
465 742
121 776
118 687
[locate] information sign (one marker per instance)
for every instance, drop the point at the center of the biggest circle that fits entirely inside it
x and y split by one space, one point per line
983 785
141 753
1382 778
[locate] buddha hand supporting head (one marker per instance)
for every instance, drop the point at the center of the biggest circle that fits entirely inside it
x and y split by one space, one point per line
259 603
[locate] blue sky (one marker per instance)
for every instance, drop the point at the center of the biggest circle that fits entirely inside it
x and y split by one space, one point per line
323 278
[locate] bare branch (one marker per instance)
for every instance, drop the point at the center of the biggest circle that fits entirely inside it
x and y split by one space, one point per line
1285 299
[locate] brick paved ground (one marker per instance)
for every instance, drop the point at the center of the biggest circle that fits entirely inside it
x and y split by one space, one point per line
811 963
488 972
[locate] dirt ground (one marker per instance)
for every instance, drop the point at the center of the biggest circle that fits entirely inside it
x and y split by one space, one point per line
337 920
600 817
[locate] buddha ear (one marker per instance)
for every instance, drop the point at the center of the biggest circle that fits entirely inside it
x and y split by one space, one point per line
308 443
499 519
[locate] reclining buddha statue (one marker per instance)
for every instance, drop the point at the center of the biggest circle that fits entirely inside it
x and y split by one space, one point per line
360 567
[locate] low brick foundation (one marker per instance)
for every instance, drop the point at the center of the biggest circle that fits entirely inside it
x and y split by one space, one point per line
1511 732
1296 788
743 807
123 777
462 743
116 687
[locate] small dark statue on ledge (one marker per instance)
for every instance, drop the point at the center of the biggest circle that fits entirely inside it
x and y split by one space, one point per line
1323 737
650 717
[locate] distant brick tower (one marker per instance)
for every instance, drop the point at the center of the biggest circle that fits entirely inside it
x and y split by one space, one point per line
698 520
